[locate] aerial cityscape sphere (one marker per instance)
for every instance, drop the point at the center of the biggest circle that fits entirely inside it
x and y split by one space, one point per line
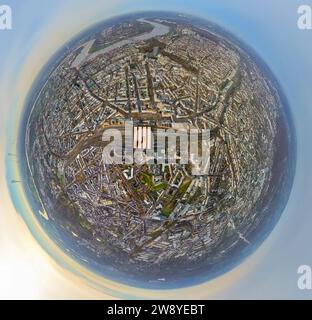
158 150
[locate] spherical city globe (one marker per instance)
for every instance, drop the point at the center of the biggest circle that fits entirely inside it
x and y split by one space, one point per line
159 150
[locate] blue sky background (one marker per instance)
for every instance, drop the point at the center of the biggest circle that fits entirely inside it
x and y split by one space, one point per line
270 27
